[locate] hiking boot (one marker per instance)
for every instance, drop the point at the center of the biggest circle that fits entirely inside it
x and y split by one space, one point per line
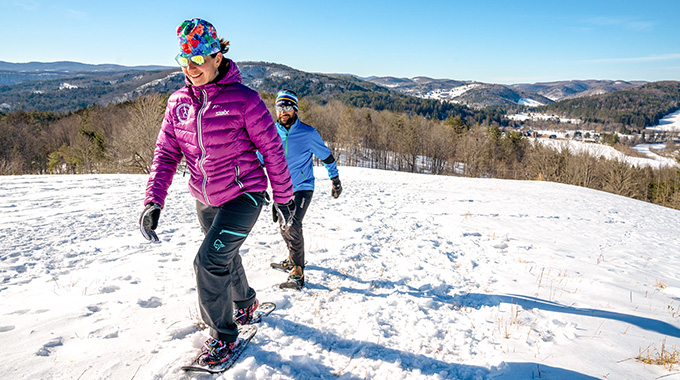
299 280
245 315
216 352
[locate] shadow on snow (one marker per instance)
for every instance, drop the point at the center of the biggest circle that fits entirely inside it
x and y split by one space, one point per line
527 303
304 366
442 294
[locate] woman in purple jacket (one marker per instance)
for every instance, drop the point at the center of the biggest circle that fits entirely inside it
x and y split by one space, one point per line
218 124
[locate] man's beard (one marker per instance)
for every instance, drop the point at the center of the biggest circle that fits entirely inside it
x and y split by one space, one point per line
289 122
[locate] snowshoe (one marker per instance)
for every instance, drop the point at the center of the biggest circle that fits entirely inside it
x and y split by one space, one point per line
218 356
252 315
285 265
294 282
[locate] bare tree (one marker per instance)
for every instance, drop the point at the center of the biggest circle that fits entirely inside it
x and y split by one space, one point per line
618 178
136 141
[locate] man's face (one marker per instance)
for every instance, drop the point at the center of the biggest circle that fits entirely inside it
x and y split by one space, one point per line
285 117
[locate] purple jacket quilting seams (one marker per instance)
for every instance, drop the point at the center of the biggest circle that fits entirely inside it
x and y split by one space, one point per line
218 127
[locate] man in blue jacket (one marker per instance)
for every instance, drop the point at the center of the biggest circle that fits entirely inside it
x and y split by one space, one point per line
300 142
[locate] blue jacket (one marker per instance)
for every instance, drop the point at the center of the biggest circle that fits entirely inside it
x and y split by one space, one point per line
299 143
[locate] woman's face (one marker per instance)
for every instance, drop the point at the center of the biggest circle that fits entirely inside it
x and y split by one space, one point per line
205 73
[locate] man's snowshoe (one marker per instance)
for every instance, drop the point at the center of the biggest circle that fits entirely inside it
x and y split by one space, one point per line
285 265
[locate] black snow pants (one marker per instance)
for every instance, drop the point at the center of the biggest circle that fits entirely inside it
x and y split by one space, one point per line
293 237
220 276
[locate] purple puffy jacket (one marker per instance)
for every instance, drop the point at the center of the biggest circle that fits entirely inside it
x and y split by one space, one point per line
218 127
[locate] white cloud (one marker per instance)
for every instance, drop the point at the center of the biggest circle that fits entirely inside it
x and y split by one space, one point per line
620 22
26 5
650 58
78 15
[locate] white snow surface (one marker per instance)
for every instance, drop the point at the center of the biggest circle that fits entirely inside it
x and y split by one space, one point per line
67 86
652 160
449 95
670 122
529 102
409 276
521 116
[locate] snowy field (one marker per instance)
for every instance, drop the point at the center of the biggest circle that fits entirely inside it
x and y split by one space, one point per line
669 123
600 150
409 277
541 116
448 95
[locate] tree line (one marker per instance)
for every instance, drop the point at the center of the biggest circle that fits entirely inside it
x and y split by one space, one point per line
120 138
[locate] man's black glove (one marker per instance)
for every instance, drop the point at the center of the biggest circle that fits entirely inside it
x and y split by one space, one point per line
149 221
337 187
283 213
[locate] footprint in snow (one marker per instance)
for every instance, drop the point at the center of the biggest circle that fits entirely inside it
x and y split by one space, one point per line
92 309
46 349
109 289
151 303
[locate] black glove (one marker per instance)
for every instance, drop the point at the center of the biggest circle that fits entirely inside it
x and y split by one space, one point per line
149 221
337 187
283 212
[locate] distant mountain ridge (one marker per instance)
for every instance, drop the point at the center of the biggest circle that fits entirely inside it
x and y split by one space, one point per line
67 86
562 90
480 95
72 67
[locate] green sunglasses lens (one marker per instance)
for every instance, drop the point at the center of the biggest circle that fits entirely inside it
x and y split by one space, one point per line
197 60
182 61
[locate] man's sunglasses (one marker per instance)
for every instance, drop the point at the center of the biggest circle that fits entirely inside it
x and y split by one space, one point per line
284 108
197 60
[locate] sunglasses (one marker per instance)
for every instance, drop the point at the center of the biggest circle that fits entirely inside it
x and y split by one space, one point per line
284 108
197 60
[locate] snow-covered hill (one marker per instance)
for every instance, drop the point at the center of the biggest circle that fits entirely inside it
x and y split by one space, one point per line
479 95
409 277
669 123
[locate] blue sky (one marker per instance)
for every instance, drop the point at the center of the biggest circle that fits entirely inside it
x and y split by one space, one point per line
486 41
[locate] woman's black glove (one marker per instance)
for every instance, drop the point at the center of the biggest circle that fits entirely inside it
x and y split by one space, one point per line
149 221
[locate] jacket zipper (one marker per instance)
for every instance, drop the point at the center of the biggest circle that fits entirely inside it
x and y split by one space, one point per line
200 143
285 149
238 181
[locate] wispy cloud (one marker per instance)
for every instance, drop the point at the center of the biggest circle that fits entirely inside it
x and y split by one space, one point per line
74 14
622 22
651 58
27 5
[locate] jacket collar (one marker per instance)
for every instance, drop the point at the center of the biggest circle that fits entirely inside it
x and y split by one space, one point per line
283 128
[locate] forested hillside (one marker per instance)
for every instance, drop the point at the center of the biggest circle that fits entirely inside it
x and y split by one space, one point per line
85 89
634 108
